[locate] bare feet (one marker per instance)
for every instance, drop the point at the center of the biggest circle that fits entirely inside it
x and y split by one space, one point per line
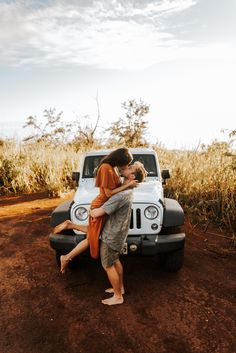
65 225
111 290
114 300
64 263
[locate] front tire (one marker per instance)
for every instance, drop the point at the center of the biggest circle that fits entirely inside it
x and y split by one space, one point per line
173 261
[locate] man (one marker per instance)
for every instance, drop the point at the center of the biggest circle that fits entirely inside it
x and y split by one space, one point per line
115 232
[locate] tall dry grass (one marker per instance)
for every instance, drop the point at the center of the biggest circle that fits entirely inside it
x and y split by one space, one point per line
203 181
31 168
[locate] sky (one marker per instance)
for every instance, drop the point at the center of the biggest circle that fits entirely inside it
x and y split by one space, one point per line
178 56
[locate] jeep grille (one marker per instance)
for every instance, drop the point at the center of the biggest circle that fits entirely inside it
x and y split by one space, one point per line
137 219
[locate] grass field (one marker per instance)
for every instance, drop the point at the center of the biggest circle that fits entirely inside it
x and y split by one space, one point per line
204 181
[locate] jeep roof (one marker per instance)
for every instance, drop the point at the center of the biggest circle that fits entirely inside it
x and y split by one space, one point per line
132 150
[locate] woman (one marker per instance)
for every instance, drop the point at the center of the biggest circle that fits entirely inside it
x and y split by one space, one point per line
109 183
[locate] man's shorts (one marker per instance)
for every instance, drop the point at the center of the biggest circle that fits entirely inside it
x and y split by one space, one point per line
108 255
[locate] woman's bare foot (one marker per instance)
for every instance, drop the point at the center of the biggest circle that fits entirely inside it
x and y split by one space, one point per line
65 225
64 263
114 300
111 290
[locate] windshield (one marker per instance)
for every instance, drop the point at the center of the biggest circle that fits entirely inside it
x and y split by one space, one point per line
148 160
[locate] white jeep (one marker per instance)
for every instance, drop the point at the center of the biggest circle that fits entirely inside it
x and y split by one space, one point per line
155 221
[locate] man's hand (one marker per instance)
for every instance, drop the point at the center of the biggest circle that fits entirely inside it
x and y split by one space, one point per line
97 212
133 183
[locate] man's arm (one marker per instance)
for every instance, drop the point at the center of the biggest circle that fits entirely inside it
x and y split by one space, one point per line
125 186
111 205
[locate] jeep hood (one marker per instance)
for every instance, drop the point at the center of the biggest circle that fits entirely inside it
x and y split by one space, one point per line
148 192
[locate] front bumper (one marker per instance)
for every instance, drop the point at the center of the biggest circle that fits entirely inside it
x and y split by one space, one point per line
136 245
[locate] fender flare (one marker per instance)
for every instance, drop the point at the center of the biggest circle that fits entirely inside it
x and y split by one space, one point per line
61 213
173 213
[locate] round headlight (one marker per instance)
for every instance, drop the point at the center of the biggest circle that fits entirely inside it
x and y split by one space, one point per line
81 213
151 212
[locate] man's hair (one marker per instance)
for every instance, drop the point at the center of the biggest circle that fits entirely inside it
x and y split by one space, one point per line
140 172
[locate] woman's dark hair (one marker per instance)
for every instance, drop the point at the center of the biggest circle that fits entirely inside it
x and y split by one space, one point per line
118 158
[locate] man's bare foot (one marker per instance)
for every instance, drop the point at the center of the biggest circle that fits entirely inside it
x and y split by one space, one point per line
114 300
65 225
64 263
111 290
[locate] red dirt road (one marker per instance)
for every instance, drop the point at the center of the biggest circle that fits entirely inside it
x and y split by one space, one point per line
43 311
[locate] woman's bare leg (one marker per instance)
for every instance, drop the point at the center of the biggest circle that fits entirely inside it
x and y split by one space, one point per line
70 225
65 259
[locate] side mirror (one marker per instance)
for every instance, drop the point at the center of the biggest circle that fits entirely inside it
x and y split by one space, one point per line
75 176
165 174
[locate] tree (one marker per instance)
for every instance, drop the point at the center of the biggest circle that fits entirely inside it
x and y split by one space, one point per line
130 130
53 131
84 134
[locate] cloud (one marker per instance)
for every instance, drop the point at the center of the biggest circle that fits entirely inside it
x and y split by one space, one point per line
107 34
